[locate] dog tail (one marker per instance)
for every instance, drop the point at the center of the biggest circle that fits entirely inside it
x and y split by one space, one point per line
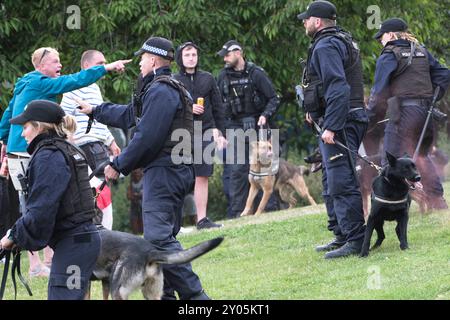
304 170
191 253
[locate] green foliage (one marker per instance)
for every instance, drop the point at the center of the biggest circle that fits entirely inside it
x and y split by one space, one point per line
121 205
269 31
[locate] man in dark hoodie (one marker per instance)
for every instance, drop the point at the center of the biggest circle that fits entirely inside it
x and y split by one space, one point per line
209 115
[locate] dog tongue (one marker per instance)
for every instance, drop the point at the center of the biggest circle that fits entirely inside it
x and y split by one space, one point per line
414 185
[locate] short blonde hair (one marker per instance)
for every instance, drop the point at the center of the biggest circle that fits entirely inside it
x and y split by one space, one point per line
41 53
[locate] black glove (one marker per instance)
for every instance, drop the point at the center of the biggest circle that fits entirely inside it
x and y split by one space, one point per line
248 123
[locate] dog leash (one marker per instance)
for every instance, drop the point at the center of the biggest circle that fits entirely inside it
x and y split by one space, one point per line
95 172
7 255
274 167
14 267
340 144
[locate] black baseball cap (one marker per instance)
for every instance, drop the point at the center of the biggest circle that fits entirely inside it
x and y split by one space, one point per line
229 46
40 110
391 25
319 9
158 46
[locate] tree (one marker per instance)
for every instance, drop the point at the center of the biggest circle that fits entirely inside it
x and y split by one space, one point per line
269 31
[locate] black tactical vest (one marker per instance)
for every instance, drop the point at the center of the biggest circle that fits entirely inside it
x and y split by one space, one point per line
412 78
314 101
78 204
183 119
239 93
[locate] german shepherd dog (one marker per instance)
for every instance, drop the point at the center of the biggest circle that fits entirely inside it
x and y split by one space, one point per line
285 180
128 262
391 200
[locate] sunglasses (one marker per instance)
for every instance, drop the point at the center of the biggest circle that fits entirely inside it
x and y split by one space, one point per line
43 55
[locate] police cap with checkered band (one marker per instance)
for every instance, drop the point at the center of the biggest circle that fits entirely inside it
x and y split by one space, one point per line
158 46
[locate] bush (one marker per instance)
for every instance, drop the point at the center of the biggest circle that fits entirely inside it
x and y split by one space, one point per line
121 205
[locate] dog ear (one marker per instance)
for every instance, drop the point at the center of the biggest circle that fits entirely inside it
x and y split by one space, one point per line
391 159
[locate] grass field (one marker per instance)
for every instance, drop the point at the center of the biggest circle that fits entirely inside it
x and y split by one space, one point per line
273 257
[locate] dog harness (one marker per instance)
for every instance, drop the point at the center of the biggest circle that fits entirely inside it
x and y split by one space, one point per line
273 171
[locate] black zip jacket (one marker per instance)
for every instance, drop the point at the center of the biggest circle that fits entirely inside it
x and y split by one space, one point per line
203 84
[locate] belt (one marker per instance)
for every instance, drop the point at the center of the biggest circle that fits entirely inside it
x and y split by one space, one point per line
414 102
15 156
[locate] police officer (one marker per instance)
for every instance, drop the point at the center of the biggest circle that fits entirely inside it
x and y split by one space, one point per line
334 99
162 107
250 101
59 202
209 116
406 76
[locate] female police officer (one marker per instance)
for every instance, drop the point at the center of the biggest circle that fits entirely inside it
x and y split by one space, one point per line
406 76
59 205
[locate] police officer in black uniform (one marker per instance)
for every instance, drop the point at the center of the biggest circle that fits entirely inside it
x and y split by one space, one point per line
162 107
59 203
334 99
406 76
250 101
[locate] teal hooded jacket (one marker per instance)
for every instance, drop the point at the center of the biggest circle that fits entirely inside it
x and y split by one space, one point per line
33 86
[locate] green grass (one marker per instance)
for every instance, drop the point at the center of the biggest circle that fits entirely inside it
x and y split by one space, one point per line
273 257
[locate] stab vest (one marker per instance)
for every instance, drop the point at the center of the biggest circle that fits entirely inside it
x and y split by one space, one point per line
412 78
314 101
78 204
239 93
183 119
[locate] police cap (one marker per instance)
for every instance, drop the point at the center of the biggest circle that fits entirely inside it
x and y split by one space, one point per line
319 9
158 46
40 110
229 46
391 25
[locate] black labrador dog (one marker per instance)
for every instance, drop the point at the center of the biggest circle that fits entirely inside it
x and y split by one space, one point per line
391 200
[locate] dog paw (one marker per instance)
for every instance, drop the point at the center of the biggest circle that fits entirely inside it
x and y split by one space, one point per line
404 247
363 254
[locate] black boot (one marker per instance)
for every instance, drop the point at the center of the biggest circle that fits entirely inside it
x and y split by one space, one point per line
200 296
350 248
334 244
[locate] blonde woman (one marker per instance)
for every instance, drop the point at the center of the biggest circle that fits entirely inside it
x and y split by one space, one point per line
406 77
59 204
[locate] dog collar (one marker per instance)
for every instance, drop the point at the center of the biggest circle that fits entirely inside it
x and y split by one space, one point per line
382 200
273 171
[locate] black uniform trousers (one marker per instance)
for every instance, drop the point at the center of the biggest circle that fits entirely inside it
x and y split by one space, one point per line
73 262
402 137
341 191
239 166
164 191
